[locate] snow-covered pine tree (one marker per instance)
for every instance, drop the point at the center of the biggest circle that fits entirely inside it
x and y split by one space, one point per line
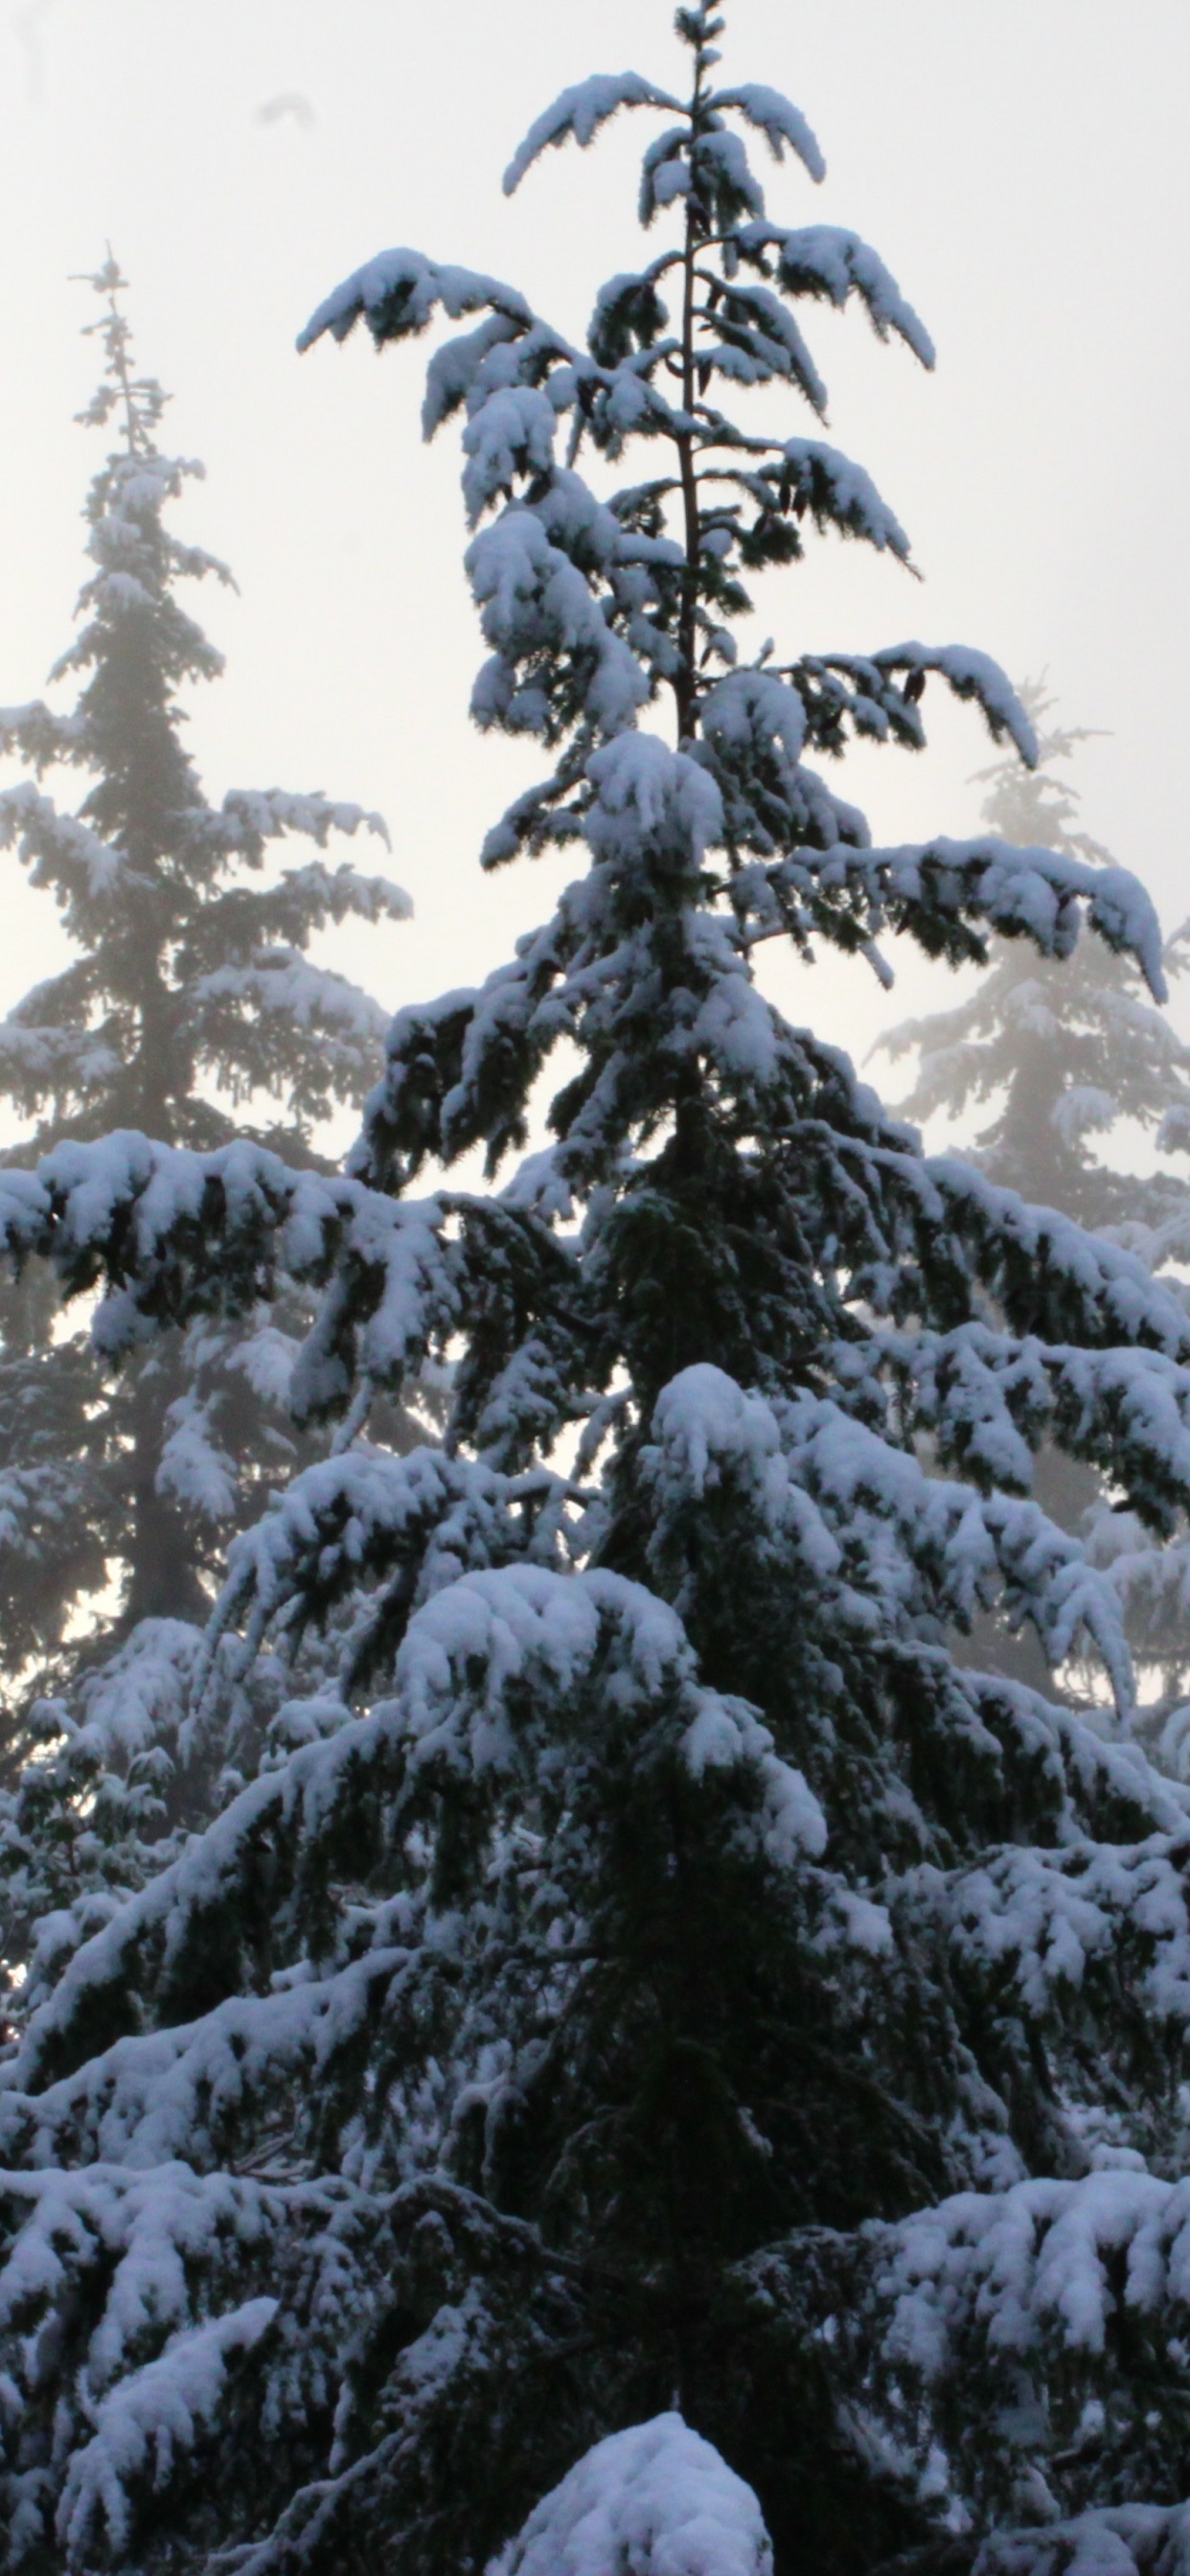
659 2051
189 1007
1064 1053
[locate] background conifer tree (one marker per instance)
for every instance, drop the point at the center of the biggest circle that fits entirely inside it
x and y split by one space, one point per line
189 1011
661 2064
1065 1053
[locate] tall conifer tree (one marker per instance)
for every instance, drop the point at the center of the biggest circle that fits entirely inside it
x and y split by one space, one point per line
661 2067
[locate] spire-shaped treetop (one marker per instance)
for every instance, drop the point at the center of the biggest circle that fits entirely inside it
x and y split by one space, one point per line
597 608
192 994
139 401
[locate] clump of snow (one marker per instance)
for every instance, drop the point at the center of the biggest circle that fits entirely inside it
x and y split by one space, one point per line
646 790
530 593
653 2501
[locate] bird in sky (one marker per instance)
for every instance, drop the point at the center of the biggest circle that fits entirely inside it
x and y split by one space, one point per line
288 103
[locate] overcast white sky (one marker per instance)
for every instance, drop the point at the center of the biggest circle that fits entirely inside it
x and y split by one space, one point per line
1020 164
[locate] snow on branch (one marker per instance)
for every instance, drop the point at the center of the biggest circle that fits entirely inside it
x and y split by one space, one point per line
106 2258
971 675
31 1495
1037 893
35 1058
760 341
837 493
194 2090
1050 2309
1029 2272
1085 1784
155 1935
175 1233
534 1636
778 120
821 260
1049 1275
849 1512
280 983
1057 1929
530 595
43 737
150 2416
482 1671
1107 2540
57 847
398 294
580 111
990 1399
360 1518
251 817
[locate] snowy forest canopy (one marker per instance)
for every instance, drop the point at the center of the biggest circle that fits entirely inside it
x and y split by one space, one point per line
596 1926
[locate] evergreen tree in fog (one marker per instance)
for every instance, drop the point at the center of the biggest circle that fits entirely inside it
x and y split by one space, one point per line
189 1012
661 2067
1064 1053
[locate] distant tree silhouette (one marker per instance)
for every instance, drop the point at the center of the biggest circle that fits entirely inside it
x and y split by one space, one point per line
189 1009
1063 1053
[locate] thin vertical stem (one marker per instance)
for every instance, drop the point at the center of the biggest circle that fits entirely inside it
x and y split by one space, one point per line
686 685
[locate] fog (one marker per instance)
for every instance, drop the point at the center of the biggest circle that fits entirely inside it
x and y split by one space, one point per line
1020 165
